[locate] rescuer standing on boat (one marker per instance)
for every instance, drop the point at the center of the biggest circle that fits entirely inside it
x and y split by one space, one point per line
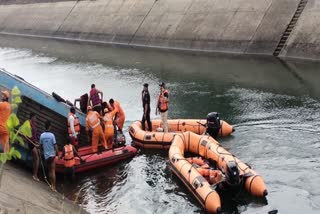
109 125
93 124
68 154
162 106
50 150
73 126
120 116
95 99
146 108
5 111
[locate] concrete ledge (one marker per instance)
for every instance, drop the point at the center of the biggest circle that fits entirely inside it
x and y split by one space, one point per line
19 193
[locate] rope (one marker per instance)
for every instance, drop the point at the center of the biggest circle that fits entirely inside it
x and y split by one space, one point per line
43 171
40 153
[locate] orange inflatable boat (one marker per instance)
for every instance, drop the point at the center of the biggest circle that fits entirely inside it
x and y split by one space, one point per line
160 140
186 171
235 172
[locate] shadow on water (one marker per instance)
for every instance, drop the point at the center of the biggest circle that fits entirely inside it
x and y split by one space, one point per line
274 106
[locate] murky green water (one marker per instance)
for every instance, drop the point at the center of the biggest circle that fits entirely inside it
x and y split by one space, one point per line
273 105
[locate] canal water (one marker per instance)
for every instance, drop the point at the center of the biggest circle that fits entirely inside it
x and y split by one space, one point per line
273 105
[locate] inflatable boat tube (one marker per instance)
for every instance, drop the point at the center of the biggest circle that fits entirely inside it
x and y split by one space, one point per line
97 160
210 149
203 191
160 140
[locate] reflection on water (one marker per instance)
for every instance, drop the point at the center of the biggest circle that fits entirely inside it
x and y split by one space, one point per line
274 106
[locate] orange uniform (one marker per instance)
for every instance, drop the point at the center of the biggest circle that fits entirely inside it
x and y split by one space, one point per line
108 126
121 116
93 123
5 111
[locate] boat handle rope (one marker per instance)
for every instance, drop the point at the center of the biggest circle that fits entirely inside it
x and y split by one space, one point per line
234 158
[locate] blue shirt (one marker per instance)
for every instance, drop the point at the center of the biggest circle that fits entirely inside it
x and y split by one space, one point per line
48 140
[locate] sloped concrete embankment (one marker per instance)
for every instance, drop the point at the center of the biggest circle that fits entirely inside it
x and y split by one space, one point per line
21 194
236 26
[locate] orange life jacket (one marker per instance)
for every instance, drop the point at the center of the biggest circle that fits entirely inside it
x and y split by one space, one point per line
76 124
92 119
215 176
68 156
197 160
108 118
162 101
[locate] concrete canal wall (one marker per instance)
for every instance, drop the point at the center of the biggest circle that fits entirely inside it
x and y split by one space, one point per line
235 26
20 194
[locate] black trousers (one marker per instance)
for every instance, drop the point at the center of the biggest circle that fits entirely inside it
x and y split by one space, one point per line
97 108
148 121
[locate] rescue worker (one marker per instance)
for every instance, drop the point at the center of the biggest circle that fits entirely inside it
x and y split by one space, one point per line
68 154
109 125
73 126
50 150
5 111
33 144
95 99
162 106
146 107
120 116
93 124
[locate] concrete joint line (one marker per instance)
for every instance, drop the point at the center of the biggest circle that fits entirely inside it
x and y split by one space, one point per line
144 18
256 30
65 18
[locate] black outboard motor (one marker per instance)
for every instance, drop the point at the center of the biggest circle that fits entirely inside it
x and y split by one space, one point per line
213 124
232 174
119 140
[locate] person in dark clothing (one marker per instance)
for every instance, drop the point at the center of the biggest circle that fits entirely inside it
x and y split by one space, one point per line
146 107
95 99
33 144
